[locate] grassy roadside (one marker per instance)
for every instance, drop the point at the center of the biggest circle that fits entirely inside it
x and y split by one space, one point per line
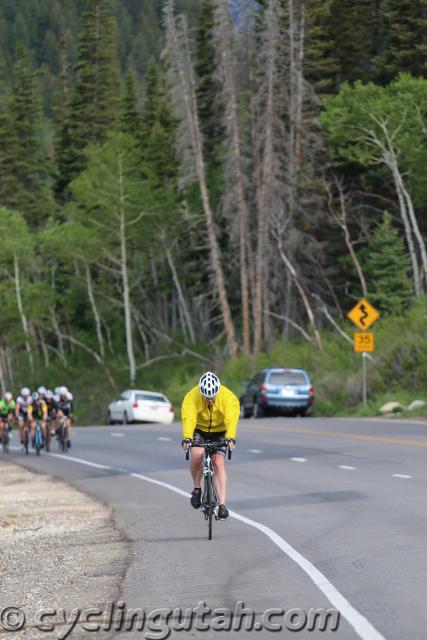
398 373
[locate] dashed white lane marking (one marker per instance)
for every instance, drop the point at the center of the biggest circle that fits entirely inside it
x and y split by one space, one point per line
255 450
401 475
364 629
117 435
164 439
347 467
299 459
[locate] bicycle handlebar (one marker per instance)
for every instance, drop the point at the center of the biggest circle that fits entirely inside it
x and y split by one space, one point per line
209 445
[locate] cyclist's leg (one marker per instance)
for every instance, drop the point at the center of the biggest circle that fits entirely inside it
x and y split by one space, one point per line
197 452
220 476
43 428
69 424
32 424
21 423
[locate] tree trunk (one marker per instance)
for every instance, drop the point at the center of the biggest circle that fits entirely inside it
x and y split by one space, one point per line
226 67
303 295
3 381
266 177
182 303
125 279
181 63
58 334
95 312
23 317
44 348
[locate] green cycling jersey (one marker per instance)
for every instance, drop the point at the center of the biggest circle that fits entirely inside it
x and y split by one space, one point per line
6 407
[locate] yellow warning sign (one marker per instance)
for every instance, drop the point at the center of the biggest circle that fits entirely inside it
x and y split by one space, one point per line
363 314
364 342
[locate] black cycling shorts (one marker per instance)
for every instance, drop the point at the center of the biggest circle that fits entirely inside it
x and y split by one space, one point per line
204 437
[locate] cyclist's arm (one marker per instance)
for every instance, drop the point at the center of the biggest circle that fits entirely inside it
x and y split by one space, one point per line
188 416
232 414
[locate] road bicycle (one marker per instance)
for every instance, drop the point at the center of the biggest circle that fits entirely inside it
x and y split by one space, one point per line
62 435
38 438
26 440
209 505
6 437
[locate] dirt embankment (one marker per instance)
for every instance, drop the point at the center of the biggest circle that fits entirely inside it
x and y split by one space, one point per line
60 552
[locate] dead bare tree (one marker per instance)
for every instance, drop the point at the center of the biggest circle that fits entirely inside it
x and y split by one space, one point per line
190 147
271 195
235 197
341 219
388 155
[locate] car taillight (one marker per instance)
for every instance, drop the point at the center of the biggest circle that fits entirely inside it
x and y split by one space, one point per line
311 391
135 405
263 388
172 410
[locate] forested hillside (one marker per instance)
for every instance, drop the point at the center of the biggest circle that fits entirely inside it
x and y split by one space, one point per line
189 182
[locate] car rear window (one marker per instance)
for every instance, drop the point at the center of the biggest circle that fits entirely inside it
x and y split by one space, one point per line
287 377
151 397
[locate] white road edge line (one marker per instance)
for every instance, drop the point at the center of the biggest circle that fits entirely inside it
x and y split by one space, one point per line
117 435
299 459
79 460
347 467
164 439
364 629
255 450
401 475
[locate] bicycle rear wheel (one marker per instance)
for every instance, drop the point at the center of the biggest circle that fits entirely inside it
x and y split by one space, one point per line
26 440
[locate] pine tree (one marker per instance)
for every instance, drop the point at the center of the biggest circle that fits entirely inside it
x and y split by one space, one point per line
320 64
354 25
130 116
25 179
151 89
95 103
210 113
404 39
387 268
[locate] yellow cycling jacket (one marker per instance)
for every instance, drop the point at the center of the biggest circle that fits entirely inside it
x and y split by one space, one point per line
221 416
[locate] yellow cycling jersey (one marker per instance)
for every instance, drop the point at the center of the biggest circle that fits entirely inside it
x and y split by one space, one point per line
223 415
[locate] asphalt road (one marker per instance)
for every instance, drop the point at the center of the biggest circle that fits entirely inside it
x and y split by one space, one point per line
328 514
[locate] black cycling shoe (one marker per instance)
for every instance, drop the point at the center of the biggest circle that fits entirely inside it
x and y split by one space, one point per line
196 498
222 512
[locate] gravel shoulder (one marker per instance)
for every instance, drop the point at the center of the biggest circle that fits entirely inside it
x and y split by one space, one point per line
60 551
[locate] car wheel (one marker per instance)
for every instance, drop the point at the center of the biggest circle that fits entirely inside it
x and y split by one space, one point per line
242 411
109 419
125 418
258 411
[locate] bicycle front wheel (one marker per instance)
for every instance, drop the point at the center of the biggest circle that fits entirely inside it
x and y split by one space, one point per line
210 504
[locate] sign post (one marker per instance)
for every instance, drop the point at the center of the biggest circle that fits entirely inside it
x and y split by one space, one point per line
364 315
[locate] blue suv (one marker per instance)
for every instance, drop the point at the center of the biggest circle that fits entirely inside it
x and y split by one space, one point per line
277 391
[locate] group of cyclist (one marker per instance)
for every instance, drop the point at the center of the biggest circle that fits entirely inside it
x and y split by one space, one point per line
44 406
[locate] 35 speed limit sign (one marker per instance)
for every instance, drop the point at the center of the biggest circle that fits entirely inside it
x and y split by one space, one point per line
364 342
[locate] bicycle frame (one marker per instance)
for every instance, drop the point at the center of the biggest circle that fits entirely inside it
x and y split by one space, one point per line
209 496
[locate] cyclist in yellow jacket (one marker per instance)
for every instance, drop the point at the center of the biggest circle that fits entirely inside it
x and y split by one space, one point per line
210 412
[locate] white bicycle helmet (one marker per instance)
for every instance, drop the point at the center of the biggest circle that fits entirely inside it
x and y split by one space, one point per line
35 395
8 396
25 392
49 394
62 391
209 385
41 391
